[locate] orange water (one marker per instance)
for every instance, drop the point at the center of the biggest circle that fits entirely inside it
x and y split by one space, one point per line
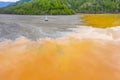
62 59
86 54
101 20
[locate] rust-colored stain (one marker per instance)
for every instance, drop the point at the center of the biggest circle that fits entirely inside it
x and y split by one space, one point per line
101 20
70 59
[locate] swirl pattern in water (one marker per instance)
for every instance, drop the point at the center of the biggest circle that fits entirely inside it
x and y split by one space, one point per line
85 54
79 56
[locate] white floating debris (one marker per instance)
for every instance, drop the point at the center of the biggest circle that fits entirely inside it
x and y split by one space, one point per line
46 18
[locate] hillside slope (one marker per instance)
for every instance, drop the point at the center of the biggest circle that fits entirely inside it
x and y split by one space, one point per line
52 7
19 2
4 4
56 7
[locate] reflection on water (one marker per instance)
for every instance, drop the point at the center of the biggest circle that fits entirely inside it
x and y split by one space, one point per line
90 55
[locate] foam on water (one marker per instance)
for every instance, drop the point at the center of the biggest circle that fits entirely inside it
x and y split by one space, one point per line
86 54
87 32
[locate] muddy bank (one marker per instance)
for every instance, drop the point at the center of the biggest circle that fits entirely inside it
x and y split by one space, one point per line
34 27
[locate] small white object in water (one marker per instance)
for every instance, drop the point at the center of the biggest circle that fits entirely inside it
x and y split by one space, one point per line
46 18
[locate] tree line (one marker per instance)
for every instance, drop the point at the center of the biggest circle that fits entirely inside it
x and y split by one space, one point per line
95 6
63 7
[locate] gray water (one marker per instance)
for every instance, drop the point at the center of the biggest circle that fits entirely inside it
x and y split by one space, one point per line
34 27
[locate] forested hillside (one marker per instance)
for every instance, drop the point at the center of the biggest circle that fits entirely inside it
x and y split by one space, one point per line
56 7
41 7
95 6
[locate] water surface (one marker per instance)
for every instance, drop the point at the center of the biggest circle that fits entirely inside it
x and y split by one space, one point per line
85 53
34 27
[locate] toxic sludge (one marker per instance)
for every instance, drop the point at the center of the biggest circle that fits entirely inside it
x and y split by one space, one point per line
73 57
